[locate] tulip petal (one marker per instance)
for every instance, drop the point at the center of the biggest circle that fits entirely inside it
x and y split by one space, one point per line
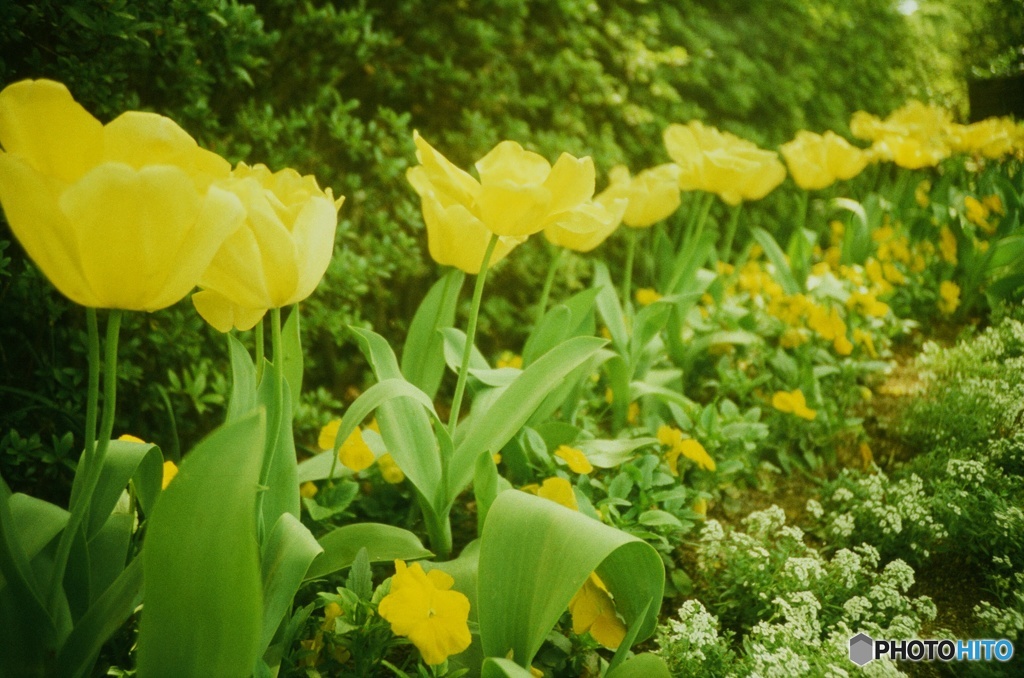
455 237
40 121
30 202
138 139
450 183
571 182
313 234
222 314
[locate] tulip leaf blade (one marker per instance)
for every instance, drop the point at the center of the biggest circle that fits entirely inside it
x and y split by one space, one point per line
423 355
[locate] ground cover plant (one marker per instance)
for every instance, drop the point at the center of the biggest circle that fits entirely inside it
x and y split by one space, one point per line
634 411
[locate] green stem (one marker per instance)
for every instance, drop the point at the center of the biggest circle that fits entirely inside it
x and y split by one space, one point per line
259 350
92 401
730 233
693 235
474 312
627 275
278 414
439 529
80 511
545 294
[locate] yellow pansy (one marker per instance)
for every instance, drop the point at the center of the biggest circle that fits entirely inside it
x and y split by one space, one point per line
949 297
328 434
558 490
308 490
574 458
819 160
793 337
718 162
922 192
827 323
633 413
793 402
389 469
842 345
947 245
170 470
978 213
867 303
652 195
646 296
355 453
123 215
519 193
593 611
509 359
278 256
864 338
421 607
700 506
994 203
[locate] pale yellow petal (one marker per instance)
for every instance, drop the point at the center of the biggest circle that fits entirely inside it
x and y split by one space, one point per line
224 315
571 182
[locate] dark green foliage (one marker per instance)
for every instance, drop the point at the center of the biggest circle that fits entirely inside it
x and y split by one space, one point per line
335 89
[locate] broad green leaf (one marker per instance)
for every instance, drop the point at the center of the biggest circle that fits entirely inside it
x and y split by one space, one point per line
857 236
552 330
647 324
455 345
287 554
201 561
639 389
783 274
485 487
126 461
405 422
423 354
534 557
102 620
282 492
108 550
609 308
688 262
496 667
490 430
612 453
243 381
644 665
382 543
292 355
36 521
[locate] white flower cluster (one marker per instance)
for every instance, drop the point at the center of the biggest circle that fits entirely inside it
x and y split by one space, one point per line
968 471
695 631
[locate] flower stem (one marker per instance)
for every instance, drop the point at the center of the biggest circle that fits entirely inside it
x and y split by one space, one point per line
259 350
627 276
474 312
92 470
277 416
92 400
730 233
545 295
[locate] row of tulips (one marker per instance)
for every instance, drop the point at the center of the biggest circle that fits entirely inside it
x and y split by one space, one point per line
133 215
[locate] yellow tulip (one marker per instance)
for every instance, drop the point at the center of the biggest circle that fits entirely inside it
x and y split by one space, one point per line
819 160
652 195
518 194
117 216
280 254
722 163
589 225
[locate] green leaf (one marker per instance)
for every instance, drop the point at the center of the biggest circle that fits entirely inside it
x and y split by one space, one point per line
645 665
783 274
360 576
496 667
126 460
382 543
612 453
534 557
108 550
857 236
103 619
455 345
291 353
608 307
243 381
405 422
423 356
656 518
485 487
287 554
282 492
201 561
552 330
489 431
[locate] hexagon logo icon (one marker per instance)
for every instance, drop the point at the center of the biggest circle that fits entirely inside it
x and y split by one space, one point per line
861 649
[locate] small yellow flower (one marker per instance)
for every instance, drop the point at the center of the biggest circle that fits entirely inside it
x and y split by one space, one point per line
509 359
669 436
864 338
389 469
633 414
868 304
170 470
921 194
574 457
355 453
701 506
331 612
593 610
827 323
308 490
842 345
130 438
978 213
421 607
793 402
695 452
646 296
949 297
793 337
947 245
994 203
328 434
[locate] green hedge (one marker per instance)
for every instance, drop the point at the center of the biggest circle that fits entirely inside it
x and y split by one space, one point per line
336 89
